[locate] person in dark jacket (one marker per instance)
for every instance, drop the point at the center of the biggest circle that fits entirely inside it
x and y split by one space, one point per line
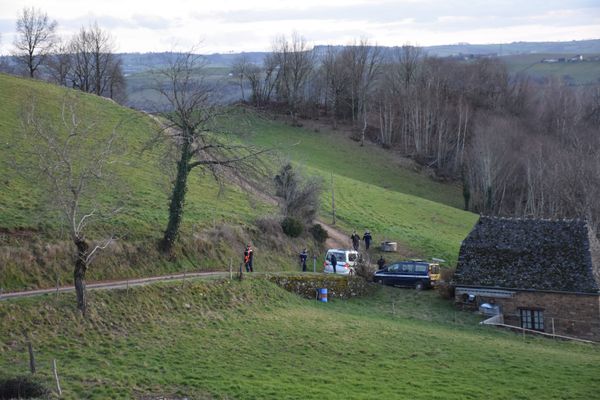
333 261
248 258
381 262
355 240
303 257
367 238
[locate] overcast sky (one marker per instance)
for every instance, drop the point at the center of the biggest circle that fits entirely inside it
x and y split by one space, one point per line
250 25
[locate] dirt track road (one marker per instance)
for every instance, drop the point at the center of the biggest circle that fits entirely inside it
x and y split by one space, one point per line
337 239
123 284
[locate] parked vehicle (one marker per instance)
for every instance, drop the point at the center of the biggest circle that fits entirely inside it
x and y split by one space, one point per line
418 274
346 260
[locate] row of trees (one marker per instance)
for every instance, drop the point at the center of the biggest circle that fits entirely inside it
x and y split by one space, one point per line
85 61
521 147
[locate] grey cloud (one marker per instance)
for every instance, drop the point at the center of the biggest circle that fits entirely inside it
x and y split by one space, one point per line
109 22
421 12
152 21
104 22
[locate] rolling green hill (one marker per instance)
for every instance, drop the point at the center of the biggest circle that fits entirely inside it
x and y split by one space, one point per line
29 232
246 340
581 73
141 172
374 189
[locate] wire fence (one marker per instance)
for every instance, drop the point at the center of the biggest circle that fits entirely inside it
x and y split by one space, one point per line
558 328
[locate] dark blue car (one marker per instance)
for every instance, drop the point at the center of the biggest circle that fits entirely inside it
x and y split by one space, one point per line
417 274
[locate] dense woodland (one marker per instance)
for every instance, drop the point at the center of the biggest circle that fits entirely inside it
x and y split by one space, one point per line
520 147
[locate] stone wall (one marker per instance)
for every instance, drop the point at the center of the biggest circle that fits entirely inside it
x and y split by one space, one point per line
576 315
338 287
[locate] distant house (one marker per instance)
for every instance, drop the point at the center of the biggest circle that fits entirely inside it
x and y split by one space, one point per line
543 274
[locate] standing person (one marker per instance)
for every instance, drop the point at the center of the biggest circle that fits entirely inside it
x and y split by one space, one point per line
381 262
333 262
248 257
367 238
355 240
303 257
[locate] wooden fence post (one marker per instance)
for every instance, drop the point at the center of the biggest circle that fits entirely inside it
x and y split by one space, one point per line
58 390
30 350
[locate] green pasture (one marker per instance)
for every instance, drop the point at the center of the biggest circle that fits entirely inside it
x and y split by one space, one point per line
142 175
581 73
251 340
373 189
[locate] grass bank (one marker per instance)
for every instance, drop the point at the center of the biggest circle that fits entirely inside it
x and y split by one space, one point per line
253 340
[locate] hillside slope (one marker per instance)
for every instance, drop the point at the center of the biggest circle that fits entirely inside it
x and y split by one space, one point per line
374 189
34 250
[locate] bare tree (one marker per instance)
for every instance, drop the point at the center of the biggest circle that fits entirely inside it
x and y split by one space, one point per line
336 78
241 68
35 38
94 66
363 62
190 124
59 64
295 62
73 161
262 80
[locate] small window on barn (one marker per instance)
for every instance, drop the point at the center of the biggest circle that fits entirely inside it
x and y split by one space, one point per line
532 319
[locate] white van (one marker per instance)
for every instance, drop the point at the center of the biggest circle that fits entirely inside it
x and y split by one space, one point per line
345 261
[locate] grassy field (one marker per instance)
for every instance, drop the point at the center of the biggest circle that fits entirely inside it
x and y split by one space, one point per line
141 95
578 73
373 189
252 340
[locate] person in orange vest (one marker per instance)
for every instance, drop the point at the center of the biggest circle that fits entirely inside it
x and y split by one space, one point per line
248 256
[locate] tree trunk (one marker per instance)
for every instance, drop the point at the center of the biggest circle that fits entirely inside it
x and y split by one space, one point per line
466 190
177 200
364 128
79 273
332 201
30 65
242 88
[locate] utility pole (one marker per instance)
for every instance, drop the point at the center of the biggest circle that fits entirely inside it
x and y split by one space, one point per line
332 200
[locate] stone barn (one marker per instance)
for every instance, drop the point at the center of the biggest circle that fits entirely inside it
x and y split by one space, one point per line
543 274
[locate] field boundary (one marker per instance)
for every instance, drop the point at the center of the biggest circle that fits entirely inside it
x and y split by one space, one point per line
109 285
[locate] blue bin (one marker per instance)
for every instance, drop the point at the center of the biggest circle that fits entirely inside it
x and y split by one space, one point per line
322 295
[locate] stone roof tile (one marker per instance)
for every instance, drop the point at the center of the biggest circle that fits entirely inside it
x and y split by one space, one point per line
531 254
